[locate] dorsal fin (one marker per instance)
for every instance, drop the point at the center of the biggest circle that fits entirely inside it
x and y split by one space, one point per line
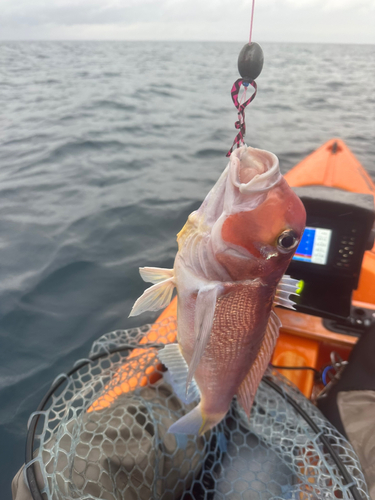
248 388
286 287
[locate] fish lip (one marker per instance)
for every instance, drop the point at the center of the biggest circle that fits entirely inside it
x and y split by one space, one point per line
261 182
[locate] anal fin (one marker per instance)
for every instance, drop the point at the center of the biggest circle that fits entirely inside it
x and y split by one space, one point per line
177 373
248 388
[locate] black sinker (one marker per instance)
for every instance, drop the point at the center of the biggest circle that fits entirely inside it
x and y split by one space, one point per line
250 61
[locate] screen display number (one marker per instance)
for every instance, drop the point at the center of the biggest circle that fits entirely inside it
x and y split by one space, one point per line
314 246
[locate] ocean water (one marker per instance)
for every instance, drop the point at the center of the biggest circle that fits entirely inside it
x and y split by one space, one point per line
105 148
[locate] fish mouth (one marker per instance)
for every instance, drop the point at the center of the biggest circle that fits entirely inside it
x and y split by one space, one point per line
254 169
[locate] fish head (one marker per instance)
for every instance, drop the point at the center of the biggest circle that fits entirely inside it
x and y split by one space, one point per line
262 220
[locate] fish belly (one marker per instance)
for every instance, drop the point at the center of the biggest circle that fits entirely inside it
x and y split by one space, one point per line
239 326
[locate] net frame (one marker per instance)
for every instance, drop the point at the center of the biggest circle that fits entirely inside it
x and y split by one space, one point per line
231 461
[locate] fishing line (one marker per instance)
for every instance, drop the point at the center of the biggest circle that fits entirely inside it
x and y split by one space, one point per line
240 123
250 64
251 21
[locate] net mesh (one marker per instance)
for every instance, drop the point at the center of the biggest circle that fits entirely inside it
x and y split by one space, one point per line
104 436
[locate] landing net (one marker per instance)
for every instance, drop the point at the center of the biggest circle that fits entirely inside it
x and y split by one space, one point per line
104 436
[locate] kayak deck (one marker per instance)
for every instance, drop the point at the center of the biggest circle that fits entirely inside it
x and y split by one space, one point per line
304 341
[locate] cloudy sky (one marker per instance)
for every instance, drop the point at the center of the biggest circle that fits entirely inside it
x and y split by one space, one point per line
340 21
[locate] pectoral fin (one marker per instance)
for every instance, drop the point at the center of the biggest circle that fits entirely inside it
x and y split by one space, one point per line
286 287
154 298
248 388
203 320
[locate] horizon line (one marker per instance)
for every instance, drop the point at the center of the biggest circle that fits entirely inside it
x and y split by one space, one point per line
177 40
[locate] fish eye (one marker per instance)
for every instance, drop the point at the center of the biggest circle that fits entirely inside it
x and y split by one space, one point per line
287 240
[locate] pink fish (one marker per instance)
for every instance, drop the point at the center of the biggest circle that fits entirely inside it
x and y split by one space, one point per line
229 274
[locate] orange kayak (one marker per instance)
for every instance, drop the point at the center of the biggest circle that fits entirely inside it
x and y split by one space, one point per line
304 340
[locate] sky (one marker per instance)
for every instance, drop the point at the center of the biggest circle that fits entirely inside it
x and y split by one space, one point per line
321 21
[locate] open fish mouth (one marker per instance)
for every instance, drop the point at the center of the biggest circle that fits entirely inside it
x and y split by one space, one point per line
254 169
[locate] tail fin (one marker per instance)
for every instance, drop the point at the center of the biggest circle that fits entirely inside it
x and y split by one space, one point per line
195 422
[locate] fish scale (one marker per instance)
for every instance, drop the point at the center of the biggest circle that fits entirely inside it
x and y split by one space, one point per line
237 333
232 254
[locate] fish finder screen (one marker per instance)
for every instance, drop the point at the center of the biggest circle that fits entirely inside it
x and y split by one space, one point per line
314 245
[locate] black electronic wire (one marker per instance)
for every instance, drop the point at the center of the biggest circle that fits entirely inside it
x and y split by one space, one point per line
280 367
30 471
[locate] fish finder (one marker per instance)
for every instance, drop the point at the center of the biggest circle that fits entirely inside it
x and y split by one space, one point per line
314 246
329 256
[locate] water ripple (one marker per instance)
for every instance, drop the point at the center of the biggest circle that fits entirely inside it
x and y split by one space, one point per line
103 155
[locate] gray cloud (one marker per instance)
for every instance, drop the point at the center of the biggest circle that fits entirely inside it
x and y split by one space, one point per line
341 21
80 13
